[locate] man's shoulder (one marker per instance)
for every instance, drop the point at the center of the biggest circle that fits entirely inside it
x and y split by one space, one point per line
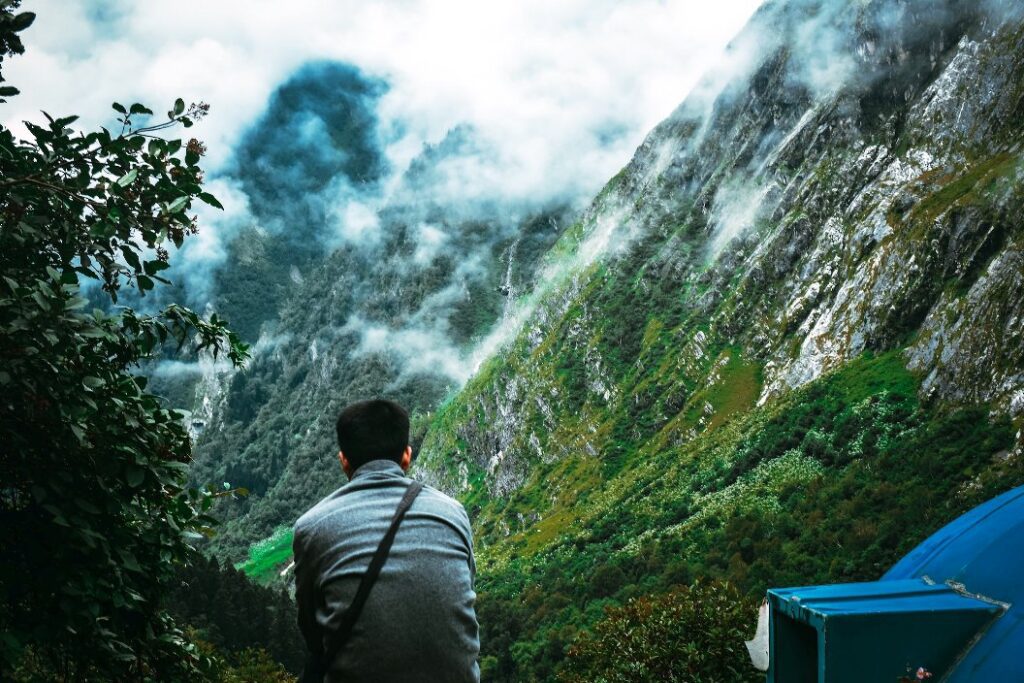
432 498
442 499
320 509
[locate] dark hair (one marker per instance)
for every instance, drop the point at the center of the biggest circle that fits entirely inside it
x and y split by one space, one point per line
373 430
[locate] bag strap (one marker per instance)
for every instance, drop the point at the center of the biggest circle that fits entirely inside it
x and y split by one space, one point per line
337 639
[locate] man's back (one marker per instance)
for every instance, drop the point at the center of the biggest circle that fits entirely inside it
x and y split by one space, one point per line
418 623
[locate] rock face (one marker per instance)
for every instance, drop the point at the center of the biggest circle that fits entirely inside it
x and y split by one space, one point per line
781 346
851 182
784 344
396 317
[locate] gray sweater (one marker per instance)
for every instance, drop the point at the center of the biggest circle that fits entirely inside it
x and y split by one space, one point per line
419 623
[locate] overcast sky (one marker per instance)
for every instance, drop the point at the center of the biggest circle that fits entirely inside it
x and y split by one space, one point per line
569 87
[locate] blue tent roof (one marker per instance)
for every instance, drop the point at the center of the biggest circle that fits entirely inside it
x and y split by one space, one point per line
984 551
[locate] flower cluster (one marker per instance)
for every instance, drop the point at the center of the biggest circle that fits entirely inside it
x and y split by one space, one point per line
922 674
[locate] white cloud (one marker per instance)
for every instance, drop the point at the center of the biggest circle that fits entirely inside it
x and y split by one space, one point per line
356 221
735 211
421 350
429 240
566 90
557 94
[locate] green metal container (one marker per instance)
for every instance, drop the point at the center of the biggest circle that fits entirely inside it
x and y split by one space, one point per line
872 632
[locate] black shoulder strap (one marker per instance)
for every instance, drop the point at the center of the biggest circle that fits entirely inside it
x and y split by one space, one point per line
337 639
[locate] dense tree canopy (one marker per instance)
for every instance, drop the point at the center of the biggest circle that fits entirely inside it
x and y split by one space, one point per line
94 507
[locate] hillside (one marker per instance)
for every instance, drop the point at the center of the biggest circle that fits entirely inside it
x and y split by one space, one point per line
782 346
389 299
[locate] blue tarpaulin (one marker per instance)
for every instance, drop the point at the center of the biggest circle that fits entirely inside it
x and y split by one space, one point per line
952 605
984 552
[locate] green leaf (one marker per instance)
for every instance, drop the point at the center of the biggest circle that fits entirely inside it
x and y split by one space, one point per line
156 147
8 91
178 204
41 301
139 109
119 108
130 257
87 506
91 382
128 178
58 515
155 266
211 200
22 21
179 107
135 476
129 560
145 283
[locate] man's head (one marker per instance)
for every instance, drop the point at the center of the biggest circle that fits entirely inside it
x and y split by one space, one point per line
373 430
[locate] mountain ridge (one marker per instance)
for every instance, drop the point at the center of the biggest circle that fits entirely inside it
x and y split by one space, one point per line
781 346
798 349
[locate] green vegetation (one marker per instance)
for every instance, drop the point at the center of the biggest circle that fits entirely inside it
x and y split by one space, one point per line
735 389
268 557
96 514
979 177
688 635
833 483
235 616
656 424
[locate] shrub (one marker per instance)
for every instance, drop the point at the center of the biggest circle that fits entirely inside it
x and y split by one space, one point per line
690 634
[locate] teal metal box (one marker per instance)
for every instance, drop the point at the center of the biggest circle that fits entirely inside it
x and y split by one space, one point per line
868 632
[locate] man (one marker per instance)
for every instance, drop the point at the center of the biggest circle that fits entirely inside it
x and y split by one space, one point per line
418 622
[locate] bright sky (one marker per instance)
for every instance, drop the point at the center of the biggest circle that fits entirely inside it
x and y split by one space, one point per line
567 88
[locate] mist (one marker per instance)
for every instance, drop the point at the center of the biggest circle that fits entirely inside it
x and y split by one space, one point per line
332 125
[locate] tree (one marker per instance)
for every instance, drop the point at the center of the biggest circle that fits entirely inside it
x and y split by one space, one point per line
94 508
691 634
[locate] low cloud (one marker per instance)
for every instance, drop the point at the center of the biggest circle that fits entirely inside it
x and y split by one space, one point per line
418 350
560 94
735 211
512 107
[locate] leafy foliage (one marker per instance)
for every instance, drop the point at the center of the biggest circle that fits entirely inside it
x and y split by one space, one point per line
235 615
268 557
833 483
94 506
691 635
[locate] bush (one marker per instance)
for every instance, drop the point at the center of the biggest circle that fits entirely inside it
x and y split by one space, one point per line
94 507
691 634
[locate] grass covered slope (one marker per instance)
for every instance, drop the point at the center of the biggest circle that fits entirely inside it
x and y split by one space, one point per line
834 482
269 557
797 353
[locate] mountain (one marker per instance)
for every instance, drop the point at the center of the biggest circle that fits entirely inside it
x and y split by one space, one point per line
781 347
351 280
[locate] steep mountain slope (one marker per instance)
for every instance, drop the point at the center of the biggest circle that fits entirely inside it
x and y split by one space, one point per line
351 283
784 344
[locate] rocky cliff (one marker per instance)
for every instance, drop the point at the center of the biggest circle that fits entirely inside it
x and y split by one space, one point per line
787 225
782 345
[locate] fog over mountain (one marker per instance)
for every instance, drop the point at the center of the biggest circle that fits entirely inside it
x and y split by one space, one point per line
673 292
387 200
